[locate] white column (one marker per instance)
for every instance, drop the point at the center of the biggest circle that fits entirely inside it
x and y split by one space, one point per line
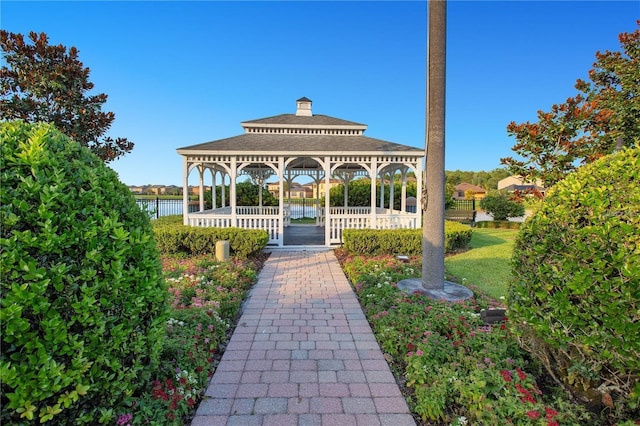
281 200
201 187
185 190
391 190
316 204
327 204
403 194
382 190
214 190
374 176
223 195
232 190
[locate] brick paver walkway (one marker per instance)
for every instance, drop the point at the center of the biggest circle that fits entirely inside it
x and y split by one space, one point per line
303 354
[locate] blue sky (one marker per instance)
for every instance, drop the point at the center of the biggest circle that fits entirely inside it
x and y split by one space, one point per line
180 73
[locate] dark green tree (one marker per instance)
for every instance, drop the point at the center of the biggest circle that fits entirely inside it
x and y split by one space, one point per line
360 193
45 83
246 195
499 205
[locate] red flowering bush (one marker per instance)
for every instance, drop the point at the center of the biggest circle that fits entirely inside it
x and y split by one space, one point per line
458 370
205 297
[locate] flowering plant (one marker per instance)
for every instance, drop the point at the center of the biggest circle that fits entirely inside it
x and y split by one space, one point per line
457 369
205 297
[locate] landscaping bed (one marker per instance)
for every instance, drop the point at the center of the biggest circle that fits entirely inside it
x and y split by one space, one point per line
454 369
205 297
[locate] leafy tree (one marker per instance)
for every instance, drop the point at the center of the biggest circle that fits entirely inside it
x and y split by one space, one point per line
360 193
603 115
500 206
246 195
484 179
42 82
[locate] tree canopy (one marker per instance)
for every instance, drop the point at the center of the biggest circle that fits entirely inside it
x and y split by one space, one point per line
485 179
45 83
603 116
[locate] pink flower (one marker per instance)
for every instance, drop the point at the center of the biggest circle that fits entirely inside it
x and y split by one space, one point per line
533 414
124 419
419 352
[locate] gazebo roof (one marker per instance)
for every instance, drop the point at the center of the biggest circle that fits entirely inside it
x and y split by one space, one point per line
290 143
301 120
302 132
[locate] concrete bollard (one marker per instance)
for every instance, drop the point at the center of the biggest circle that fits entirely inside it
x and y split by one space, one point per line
222 250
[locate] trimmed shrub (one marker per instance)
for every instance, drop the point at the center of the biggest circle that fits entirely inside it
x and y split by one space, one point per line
403 241
497 224
83 299
575 296
500 206
174 219
190 240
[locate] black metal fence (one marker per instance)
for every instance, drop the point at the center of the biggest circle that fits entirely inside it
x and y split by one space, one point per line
302 207
463 205
158 207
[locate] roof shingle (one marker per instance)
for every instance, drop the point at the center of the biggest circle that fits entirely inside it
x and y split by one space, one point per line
302 143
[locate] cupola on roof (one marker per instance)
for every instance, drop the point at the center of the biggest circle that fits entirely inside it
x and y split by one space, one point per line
304 107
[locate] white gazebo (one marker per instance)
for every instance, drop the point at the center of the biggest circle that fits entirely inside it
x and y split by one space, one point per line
288 146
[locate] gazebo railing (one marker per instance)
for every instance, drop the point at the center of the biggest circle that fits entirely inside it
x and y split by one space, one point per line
338 223
268 219
352 212
247 217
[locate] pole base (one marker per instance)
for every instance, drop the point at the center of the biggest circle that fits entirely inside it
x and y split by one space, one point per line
450 292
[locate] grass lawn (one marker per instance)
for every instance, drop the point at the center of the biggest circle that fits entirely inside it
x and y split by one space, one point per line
487 263
304 220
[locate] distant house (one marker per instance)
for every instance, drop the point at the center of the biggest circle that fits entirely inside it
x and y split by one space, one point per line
295 190
156 189
460 191
320 189
195 190
516 183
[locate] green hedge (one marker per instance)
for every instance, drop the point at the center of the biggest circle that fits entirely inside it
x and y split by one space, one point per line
174 219
502 224
403 241
194 240
83 302
575 296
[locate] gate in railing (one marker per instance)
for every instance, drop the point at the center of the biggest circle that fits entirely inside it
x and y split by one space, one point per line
302 207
